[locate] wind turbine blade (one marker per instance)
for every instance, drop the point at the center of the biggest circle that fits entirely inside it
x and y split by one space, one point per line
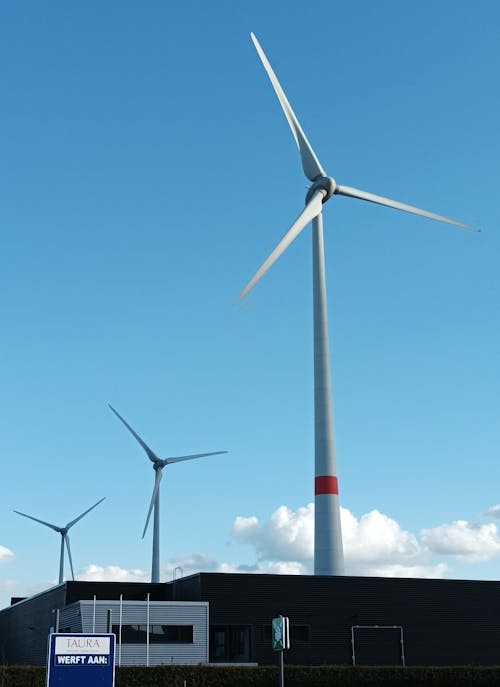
66 539
73 522
178 459
312 210
310 163
151 454
380 200
53 527
158 477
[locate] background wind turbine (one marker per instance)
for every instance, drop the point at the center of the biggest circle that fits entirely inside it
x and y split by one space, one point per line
158 465
328 552
63 531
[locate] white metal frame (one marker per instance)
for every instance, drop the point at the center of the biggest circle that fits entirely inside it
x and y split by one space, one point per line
379 627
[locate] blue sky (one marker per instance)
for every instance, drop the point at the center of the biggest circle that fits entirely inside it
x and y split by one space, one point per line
147 170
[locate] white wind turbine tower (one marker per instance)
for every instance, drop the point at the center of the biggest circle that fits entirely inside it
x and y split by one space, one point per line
158 465
63 531
328 552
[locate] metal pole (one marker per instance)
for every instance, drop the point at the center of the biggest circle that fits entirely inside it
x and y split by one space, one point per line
109 621
328 551
282 670
120 632
56 620
147 630
61 562
155 563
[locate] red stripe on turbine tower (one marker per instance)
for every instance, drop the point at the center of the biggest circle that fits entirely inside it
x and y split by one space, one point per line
326 484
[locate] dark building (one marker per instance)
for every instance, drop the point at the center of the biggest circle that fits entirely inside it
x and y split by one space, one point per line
333 620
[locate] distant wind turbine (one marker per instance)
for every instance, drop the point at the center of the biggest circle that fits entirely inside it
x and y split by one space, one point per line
63 531
158 465
328 553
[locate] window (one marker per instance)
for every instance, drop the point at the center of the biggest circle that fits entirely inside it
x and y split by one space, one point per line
158 634
299 633
230 643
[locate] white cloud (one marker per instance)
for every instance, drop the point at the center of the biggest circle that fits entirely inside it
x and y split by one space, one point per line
5 554
284 568
493 512
376 545
466 541
197 562
112 573
182 567
373 545
203 562
287 536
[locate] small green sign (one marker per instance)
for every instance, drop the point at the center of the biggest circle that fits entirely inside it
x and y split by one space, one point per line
280 634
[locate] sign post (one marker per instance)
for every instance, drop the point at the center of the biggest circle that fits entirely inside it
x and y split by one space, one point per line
81 660
281 641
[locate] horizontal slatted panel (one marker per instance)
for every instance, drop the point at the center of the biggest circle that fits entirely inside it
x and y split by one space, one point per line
70 619
445 622
160 613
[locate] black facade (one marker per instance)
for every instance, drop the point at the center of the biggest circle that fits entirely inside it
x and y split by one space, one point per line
440 622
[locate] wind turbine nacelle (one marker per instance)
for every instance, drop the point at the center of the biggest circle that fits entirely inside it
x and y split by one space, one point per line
325 184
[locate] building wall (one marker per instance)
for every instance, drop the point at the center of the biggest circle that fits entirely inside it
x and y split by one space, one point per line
445 622
25 627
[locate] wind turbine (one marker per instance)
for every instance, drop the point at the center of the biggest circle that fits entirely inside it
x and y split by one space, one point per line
63 531
328 552
158 465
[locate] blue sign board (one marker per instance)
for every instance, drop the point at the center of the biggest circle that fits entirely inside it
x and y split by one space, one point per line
81 660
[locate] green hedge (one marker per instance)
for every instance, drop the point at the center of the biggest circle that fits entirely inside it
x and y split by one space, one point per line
267 676
22 676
